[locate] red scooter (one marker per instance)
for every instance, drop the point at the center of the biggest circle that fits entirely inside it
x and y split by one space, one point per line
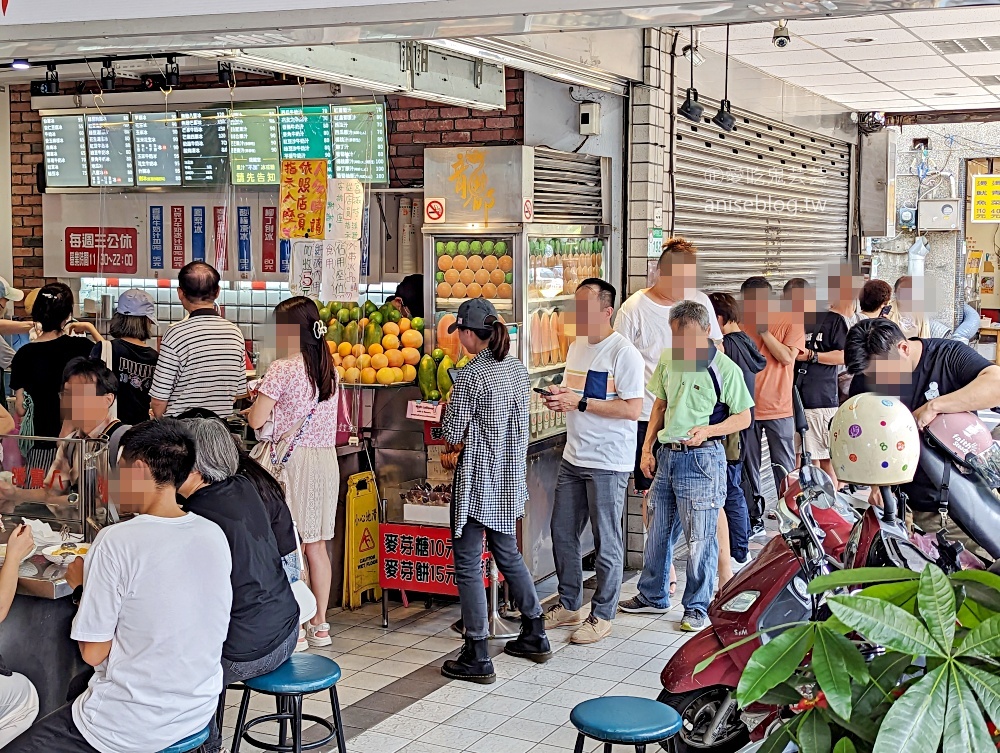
820 532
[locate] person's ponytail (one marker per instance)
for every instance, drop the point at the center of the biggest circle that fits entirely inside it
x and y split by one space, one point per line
499 344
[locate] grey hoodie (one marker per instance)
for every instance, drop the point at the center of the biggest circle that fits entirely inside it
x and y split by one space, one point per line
741 349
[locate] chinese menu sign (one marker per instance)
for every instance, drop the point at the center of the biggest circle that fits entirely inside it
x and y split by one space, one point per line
307 268
303 199
986 198
345 209
420 558
341 270
108 250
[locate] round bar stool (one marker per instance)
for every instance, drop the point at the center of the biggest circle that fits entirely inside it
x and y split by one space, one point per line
190 743
624 720
300 675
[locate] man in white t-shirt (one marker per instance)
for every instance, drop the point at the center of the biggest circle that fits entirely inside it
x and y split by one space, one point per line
601 396
154 612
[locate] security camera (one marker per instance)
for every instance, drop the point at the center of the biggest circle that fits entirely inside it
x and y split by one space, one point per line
781 38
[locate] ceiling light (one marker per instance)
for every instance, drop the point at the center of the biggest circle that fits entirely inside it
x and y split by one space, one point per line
691 109
859 40
945 94
692 54
108 75
724 117
20 64
227 76
172 73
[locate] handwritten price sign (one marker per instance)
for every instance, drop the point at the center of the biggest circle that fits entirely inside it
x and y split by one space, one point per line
303 199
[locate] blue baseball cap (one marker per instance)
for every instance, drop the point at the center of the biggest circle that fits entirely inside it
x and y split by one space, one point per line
137 302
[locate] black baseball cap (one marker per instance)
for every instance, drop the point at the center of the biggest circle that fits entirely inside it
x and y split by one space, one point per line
475 313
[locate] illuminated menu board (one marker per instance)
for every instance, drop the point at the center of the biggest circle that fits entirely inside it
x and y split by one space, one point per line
157 149
254 158
64 139
109 145
204 147
305 134
359 142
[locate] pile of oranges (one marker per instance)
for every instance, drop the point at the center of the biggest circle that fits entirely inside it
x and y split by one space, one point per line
391 361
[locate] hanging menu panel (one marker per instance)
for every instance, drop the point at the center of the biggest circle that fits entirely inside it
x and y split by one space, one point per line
359 142
253 147
64 140
305 134
157 149
204 147
109 144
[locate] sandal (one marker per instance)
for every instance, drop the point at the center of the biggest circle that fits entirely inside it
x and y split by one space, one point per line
312 635
301 644
673 587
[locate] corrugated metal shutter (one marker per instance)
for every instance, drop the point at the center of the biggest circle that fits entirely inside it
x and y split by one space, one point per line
765 199
568 188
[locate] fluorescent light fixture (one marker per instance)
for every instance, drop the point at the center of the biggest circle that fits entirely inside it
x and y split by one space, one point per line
20 64
859 40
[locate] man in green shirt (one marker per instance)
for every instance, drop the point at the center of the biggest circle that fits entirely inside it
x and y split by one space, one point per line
701 397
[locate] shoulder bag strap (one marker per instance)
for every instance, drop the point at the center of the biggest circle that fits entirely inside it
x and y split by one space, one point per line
281 449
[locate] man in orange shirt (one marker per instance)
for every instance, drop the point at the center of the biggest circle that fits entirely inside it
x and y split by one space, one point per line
780 337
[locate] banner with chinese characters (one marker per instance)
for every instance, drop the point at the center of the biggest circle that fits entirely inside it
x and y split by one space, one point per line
341 279
345 209
420 558
306 268
303 199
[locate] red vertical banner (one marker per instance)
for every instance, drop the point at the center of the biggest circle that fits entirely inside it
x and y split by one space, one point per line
177 255
221 239
269 262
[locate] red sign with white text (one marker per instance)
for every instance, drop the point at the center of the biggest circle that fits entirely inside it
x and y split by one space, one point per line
177 237
102 250
420 558
269 240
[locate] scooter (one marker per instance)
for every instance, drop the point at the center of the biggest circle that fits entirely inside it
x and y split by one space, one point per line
771 593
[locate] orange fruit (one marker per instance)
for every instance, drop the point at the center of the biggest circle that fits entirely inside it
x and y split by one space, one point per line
395 357
490 263
411 356
375 350
411 339
379 362
506 263
444 290
344 349
358 350
451 276
362 324
390 328
458 290
409 373
397 373
386 375
459 263
390 342
350 362
467 277
352 376
505 291
475 263
404 324
364 361
340 372
332 347
482 276
489 290
368 376
337 360
445 263
497 277
474 290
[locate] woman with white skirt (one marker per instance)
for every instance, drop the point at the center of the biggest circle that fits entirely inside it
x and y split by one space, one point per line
295 415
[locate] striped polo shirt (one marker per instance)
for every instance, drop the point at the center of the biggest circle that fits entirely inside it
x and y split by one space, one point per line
202 364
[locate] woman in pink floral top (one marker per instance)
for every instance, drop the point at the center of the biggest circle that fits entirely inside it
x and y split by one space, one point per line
302 384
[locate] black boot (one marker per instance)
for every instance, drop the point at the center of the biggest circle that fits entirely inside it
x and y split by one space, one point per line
473 663
532 642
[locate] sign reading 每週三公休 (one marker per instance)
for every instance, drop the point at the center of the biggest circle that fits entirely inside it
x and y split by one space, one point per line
102 250
303 199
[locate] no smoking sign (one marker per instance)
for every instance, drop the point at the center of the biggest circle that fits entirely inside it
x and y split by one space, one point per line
434 211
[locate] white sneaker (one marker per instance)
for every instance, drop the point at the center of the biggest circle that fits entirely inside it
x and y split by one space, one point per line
737 565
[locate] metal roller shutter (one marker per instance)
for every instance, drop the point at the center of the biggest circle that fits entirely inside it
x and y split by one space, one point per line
765 199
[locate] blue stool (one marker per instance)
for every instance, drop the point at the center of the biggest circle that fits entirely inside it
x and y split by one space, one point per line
624 720
300 675
193 742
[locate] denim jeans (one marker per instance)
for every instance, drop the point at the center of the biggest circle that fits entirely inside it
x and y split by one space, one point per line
468 550
736 511
687 493
596 496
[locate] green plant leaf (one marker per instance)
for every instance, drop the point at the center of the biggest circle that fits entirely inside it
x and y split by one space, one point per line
862 728
936 605
705 663
983 640
827 664
983 577
814 733
885 672
773 663
984 596
844 745
964 727
986 687
915 722
885 624
782 695
778 740
859 576
901 593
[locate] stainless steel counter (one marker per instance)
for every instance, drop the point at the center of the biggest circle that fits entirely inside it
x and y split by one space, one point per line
39 577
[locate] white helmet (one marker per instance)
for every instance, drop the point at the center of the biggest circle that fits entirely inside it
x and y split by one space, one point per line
874 440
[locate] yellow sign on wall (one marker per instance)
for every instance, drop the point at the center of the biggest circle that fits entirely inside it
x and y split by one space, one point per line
361 553
986 198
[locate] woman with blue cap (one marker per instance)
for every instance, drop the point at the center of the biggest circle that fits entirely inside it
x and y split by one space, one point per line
128 356
487 418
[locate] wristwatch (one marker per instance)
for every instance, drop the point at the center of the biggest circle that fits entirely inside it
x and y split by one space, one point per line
582 405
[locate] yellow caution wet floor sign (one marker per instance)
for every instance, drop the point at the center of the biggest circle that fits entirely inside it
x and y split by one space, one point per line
361 553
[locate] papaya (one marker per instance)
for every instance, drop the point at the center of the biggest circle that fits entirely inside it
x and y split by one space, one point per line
462 362
373 335
535 338
334 332
427 377
444 378
448 341
351 334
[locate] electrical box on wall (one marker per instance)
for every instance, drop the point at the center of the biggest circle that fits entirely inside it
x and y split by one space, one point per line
907 218
939 214
590 119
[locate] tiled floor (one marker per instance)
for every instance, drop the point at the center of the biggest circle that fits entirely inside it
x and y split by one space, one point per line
394 698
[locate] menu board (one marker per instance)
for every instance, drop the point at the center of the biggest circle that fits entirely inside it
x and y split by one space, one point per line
359 143
305 134
204 147
157 149
109 145
64 140
254 158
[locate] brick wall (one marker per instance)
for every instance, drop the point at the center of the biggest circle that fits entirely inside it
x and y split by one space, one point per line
414 124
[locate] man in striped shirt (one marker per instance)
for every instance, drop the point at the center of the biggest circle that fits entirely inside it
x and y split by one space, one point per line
202 361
